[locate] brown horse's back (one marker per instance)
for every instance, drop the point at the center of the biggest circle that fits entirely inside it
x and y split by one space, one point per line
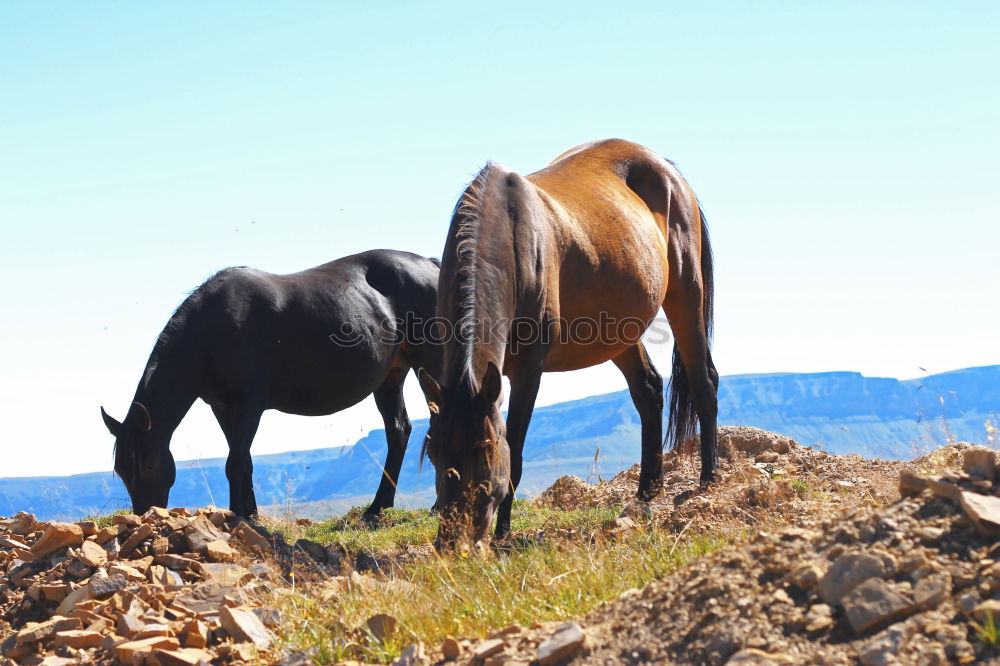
612 202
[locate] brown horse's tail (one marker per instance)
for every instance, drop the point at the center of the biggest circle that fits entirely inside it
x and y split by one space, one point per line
683 417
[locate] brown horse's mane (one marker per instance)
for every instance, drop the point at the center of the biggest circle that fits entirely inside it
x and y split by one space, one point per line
463 232
466 222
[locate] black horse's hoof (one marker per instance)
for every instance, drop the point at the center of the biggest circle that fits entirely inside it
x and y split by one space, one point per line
372 519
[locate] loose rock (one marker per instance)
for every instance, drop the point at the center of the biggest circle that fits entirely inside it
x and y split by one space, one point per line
243 625
567 641
874 603
848 571
58 535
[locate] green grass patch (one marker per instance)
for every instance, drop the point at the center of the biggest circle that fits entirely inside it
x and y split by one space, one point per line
411 527
566 571
801 488
104 520
988 633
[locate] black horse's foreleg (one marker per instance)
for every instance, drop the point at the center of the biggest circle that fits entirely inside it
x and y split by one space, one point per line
389 400
240 426
249 497
523 391
646 388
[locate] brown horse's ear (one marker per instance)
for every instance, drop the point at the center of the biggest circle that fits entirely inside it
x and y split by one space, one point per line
489 390
114 427
431 389
142 418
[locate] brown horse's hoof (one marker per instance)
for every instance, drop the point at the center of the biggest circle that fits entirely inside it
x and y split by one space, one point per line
502 544
685 495
637 509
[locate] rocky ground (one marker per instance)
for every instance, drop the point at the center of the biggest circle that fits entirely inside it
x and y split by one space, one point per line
845 560
851 578
764 478
163 588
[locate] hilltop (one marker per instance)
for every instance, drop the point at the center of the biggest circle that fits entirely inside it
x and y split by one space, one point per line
796 555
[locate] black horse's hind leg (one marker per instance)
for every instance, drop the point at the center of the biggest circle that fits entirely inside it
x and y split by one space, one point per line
389 400
240 425
523 391
646 388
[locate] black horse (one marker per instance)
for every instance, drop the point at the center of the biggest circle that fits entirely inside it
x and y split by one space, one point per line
309 343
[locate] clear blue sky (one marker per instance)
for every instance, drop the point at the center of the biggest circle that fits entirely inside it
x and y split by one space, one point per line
845 153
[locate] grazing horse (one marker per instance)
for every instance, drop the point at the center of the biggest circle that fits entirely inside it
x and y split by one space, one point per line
310 343
560 270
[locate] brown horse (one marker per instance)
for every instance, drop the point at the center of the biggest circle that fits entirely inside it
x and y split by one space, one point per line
562 270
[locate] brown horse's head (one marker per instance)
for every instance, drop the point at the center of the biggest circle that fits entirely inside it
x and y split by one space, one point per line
467 444
142 459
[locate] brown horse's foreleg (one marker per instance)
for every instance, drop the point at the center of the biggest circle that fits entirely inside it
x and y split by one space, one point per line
240 426
389 400
698 383
646 388
523 391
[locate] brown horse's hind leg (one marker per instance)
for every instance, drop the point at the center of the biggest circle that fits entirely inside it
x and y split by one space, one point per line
696 381
646 388
389 400
240 426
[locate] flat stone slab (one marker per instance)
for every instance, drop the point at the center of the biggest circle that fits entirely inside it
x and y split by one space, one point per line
567 640
847 572
984 510
200 532
244 626
873 604
93 555
58 535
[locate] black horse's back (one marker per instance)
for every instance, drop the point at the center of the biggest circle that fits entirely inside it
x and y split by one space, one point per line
309 343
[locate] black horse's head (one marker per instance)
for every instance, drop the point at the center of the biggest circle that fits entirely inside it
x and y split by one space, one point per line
467 443
142 458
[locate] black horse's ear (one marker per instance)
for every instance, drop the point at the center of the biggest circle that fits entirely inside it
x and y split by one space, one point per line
114 427
142 418
489 390
431 389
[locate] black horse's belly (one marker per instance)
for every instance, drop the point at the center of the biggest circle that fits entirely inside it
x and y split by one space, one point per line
333 394
321 375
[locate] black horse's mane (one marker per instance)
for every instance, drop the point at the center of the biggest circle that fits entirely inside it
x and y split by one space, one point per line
178 320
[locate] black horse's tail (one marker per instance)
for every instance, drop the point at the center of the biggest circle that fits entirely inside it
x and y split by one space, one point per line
683 417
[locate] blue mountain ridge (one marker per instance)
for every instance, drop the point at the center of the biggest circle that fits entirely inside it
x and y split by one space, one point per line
844 412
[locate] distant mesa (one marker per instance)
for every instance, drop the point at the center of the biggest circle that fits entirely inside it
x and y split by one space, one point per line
844 412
